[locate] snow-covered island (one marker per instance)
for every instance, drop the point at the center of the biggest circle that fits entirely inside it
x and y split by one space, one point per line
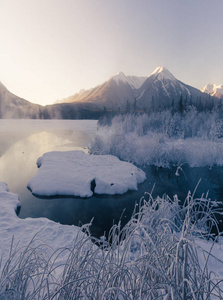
76 173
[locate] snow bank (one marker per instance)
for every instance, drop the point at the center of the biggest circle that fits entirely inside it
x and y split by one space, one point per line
23 230
76 173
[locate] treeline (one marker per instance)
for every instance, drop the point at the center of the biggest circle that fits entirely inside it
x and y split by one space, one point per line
180 107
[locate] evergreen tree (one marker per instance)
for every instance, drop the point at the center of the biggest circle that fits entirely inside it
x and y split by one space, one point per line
190 101
127 108
185 103
152 104
172 107
199 105
181 106
135 106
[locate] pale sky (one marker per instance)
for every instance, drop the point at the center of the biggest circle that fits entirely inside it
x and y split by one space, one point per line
50 49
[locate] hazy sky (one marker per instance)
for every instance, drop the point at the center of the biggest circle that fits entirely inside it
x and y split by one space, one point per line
50 49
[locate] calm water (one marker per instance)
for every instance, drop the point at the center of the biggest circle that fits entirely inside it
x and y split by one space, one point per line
23 141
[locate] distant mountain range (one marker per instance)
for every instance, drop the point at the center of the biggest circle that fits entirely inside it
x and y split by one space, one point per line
214 90
14 107
120 93
159 89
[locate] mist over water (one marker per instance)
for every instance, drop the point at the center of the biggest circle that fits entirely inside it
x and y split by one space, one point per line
24 141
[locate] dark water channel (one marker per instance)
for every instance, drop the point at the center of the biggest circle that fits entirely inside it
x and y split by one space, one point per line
107 210
17 166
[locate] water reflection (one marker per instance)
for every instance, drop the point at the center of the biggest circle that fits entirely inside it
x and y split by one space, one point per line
17 164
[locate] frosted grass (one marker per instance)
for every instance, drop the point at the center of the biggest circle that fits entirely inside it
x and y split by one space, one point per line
159 254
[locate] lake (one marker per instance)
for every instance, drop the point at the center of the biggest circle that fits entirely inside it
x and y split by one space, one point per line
23 141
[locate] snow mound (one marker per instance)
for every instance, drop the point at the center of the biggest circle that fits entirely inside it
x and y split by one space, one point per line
76 173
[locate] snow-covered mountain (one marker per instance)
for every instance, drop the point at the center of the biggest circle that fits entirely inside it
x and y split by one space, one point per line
214 90
134 81
112 94
159 89
12 106
120 93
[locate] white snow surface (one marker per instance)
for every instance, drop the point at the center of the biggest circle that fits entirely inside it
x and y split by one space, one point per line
23 230
72 173
163 73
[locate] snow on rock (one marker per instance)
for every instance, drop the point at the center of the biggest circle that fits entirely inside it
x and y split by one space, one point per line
76 173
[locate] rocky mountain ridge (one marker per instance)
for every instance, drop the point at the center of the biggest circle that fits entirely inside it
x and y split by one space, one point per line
160 89
121 93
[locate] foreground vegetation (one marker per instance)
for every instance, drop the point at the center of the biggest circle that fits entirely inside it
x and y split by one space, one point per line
157 255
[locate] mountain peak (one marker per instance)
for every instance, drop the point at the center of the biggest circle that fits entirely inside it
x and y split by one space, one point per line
209 88
159 70
162 72
120 77
213 90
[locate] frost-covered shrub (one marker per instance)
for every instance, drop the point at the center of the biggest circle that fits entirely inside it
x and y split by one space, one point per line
191 124
163 138
164 252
